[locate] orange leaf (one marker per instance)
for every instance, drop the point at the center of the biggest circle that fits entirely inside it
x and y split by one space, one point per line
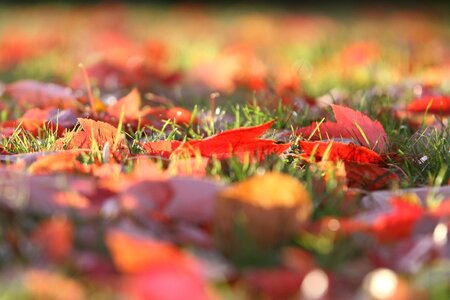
93 131
130 105
41 284
161 148
132 253
59 162
54 238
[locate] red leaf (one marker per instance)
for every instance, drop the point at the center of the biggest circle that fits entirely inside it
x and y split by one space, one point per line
322 131
42 95
103 74
339 151
443 210
239 142
439 105
234 137
274 283
177 115
167 281
346 126
397 224
368 176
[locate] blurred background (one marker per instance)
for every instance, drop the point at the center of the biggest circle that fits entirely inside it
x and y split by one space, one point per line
186 50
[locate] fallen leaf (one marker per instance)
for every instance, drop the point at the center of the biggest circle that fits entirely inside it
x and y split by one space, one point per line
41 95
54 238
240 142
397 223
64 161
161 148
271 208
339 151
439 105
369 176
276 283
97 132
42 284
130 106
167 281
133 253
193 200
145 196
350 124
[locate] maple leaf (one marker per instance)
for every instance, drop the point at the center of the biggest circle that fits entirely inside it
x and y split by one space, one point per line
339 151
238 142
97 132
41 95
349 124
439 105
361 165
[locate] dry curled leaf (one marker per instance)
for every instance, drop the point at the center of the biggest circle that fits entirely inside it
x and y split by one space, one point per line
271 207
